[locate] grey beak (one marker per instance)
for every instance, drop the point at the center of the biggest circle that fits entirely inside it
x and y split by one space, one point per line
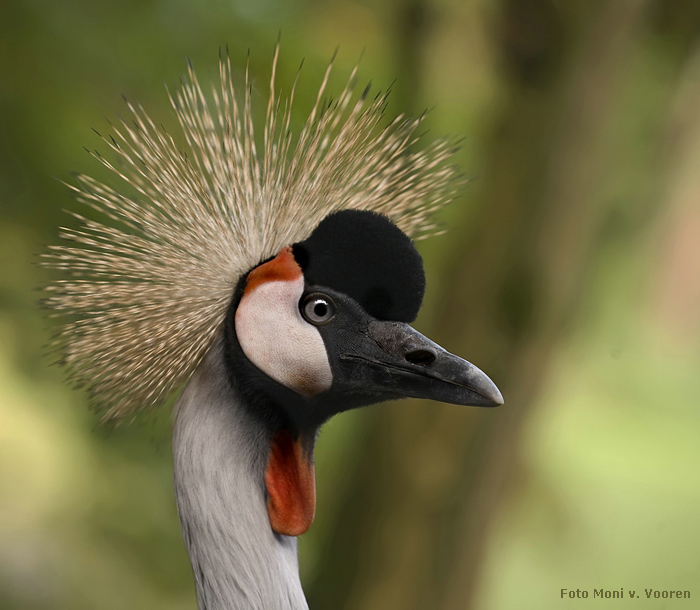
406 363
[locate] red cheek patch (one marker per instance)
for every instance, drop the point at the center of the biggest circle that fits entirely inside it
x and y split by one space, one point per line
282 268
291 486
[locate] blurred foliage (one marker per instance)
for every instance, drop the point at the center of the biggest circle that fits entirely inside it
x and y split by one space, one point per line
571 272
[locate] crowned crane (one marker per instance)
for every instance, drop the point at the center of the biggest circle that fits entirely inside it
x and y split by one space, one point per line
276 286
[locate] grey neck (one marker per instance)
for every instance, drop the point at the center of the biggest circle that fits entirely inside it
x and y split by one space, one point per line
220 454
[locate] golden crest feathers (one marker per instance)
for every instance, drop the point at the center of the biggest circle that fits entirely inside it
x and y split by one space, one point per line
144 292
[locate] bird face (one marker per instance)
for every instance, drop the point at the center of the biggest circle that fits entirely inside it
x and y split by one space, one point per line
327 319
324 325
315 340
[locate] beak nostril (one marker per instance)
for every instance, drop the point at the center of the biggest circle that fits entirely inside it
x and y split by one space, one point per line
421 356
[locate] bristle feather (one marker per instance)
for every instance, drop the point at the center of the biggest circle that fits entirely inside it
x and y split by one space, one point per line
146 289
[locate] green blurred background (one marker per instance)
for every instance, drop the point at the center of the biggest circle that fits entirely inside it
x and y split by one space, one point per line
570 273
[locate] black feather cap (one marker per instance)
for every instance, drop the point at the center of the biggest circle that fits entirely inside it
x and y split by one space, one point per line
366 256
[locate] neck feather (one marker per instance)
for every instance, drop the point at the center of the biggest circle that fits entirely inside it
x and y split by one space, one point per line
220 453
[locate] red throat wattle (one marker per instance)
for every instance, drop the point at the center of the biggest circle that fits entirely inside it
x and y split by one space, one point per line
291 485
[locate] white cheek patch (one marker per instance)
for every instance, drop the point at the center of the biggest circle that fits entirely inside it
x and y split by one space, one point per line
275 338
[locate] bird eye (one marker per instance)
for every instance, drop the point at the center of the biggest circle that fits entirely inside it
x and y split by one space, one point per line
317 309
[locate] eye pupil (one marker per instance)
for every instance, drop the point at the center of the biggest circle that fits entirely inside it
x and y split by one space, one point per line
320 309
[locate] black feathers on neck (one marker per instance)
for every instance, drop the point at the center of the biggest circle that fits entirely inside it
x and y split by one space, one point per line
366 256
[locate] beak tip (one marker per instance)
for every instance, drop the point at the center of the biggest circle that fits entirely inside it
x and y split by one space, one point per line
491 393
497 397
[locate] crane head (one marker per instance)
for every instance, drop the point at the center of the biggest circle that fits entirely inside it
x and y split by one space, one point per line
292 247
322 327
